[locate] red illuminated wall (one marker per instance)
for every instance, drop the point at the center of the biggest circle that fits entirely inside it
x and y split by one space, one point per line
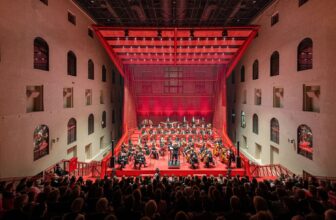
130 118
219 119
174 91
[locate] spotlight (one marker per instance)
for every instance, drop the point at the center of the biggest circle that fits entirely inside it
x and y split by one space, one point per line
224 33
159 34
126 33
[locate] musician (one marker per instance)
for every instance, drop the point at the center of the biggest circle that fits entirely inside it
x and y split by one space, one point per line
140 159
131 153
202 149
208 158
186 150
130 142
154 152
231 157
146 148
175 152
161 150
193 159
122 159
190 139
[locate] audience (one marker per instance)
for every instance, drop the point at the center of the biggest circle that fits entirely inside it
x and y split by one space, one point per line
160 198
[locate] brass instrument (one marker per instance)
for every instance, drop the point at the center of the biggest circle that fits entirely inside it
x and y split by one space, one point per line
223 155
216 150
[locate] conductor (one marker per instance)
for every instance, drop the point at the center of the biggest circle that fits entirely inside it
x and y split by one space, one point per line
175 150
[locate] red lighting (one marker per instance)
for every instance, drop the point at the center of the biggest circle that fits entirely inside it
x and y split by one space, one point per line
176 44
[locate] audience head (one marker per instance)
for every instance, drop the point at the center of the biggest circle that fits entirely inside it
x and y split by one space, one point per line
262 215
102 205
235 203
150 208
77 204
260 204
330 214
181 216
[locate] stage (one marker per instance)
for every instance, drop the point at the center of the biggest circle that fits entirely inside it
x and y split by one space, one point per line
184 170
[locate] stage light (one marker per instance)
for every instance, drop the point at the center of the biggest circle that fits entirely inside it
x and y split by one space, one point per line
159 34
224 33
191 34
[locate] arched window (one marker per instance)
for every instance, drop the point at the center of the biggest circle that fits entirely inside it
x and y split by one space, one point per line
242 74
255 70
275 62
242 120
103 123
91 124
305 55
113 116
41 54
255 123
72 127
104 73
305 141
275 130
41 141
90 69
72 64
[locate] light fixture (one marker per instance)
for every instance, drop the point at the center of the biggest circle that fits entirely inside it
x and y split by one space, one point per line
159 34
192 34
224 33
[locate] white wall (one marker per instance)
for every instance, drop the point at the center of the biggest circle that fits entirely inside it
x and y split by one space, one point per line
21 21
316 19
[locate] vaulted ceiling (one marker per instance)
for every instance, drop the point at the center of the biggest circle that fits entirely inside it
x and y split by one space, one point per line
173 13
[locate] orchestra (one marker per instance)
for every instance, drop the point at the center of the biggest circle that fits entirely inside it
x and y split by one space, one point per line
195 141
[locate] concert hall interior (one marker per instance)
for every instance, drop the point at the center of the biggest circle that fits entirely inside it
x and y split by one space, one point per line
127 88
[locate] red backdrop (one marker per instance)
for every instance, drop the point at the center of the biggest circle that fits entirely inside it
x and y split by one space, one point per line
174 91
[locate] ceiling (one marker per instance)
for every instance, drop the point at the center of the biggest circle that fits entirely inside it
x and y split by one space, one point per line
174 32
174 46
173 13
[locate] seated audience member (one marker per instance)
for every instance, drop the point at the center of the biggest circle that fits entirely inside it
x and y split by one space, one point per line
17 212
235 212
167 197
76 209
59 171
151 210
330 214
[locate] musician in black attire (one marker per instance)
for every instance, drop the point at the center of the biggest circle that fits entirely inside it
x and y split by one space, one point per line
140 159
175 150
231 157
193 159
208 158
122 159
162 150
154 152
